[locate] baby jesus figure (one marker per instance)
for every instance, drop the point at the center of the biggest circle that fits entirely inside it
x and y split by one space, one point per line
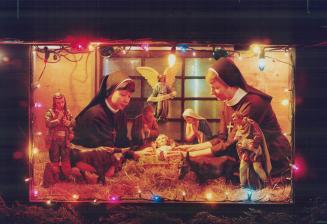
163 146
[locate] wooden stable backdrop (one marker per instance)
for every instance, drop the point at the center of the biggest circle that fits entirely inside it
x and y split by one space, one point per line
78 76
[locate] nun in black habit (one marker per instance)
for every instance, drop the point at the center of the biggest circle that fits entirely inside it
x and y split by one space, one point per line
103 121
228 85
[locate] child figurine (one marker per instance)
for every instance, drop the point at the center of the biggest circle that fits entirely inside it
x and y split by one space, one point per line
145 128
59 122
252 149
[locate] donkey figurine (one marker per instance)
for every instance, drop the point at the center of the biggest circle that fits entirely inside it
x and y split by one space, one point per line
208 167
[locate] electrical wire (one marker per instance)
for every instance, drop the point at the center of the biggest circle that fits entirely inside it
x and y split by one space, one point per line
86 70
76 60
280 61
45 65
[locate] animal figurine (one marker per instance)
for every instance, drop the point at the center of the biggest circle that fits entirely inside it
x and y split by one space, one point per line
208 167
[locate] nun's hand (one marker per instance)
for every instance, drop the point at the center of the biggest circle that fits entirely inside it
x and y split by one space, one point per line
181 148
184 148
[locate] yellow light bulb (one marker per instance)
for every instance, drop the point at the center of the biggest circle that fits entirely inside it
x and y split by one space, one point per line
226 195
256 49
171 60
285 102
36 85
35 150
91 47
209 196
75 196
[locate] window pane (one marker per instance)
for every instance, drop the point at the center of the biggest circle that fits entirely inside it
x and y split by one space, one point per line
127 65
177 87
135 107
197 88
137 92
174 109
160 64
205 108
171 128
197 66
147 89
214 125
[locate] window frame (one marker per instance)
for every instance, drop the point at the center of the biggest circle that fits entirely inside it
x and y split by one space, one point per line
143 55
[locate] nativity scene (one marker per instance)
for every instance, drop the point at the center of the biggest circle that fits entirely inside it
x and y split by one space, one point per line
139 129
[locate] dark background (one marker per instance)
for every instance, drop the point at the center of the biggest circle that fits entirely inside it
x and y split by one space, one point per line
302 24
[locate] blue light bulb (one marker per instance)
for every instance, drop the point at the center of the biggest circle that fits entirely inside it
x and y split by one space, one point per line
261 64
156 198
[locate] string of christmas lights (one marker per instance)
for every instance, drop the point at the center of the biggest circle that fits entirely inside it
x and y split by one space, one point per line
109 52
